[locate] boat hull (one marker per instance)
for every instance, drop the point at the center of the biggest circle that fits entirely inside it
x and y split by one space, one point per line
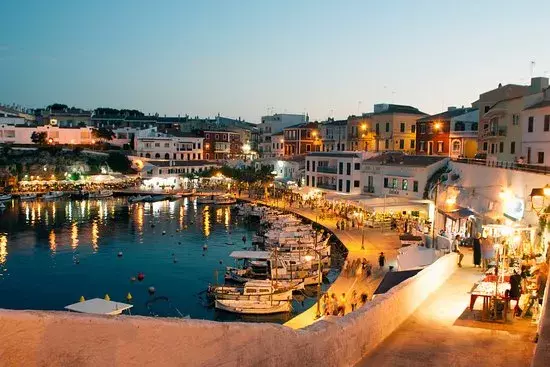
253 307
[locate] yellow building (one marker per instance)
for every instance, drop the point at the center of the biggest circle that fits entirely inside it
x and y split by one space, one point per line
395 127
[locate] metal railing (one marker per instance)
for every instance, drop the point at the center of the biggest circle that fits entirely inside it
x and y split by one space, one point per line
326 186
545 170
326 169
368 189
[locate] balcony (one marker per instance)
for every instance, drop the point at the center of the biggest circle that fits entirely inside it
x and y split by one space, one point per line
326 186
326 169
495 131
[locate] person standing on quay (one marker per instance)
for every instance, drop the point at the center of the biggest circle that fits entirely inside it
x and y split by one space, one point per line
477 250
456 248
381 260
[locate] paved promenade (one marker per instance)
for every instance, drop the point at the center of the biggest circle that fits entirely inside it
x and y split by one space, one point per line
376 241
431 336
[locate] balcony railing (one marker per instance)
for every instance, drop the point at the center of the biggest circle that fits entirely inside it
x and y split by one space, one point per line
326 186
545 170
326 169
500 131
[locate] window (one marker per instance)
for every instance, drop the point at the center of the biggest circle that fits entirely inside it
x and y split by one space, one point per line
412 144
540 157
405 184
313 166
421 146
460 126
357 166
207 136
308 147
385 182
387 127
167 145
356 183
313 181
528 155
530 124
413 128
422 128
415 186
377 128
394 183
387 144
341 168
348 169
217 137
167 156
307 180
513 147
402 144
486 109
546 122
474 126
501 147
307 166
484 146
157 145
440 146
402 127
515 119
456 146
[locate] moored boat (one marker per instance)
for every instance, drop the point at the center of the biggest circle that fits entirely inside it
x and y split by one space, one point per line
27 197
254 290
253 307
138 198
224 200
154 198
210 199
5 197
52 195
101 194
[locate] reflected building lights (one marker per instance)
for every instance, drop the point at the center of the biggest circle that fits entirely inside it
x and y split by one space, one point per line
140 214
206 220
219 215
95 235
39 209
182 216
51 238
27 213
3 248
54 210
74 236
227 217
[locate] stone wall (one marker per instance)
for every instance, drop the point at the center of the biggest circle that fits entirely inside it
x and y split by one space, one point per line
542 348
29 338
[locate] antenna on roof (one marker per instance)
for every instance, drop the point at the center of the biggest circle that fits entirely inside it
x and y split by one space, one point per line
532 68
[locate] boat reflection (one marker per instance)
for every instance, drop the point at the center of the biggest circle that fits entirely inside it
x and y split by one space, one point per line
3 248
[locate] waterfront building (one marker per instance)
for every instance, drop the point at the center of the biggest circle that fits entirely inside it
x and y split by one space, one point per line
500 130
222 145
277 145
398 174
450 133
301 139
162 146
535 126
333 135
170 169
395 127
291 169
335 171
273 125
360 133
68 117
19 134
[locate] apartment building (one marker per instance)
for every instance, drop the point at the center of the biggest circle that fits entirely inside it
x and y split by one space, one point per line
398 174
274 124
450 133
333 135
395 127
20 134
360 133
277 148
162 146
301 139
536 132
335 171
222 144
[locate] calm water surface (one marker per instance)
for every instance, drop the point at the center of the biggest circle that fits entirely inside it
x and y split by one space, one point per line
51 253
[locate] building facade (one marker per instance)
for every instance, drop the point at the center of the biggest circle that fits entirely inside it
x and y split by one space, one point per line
452 133
277 145
335 171
274 124
165 147
333 135
17 134
301 139
397 174
536 132
222 145
394 127
360 133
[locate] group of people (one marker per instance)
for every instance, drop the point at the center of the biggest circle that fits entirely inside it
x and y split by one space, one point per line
357 268
483 251
338 306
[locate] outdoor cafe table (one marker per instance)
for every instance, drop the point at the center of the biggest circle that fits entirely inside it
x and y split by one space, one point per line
486 290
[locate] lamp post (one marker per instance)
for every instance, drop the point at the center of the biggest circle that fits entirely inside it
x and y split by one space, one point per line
319 273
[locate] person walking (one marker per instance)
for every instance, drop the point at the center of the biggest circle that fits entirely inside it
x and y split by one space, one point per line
381 260
345 268
342 305
487 252
334 302
477 250
353 300
456 248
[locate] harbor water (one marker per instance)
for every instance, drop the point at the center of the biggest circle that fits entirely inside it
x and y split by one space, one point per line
52 253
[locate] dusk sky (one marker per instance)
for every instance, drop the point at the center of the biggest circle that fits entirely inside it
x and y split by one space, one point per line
248 58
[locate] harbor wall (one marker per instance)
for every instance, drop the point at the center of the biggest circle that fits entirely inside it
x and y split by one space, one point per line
542 348
30 338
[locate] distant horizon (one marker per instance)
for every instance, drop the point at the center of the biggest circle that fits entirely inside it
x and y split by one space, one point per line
254 59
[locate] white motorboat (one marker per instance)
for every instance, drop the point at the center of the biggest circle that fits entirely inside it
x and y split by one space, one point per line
138 198
210 199
52 195
5 197
101 194
224 200
253 307
27 197
254 290
99 306
2 206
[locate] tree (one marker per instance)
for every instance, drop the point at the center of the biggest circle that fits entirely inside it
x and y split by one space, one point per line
39 137
57 107
103 134
118 162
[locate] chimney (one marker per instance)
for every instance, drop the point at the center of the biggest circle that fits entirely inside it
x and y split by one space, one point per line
451 108
538 84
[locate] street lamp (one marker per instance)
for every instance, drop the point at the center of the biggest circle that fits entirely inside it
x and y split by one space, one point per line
538 196
309 257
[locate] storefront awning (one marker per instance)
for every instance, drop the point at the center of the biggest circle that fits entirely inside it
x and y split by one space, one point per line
458 213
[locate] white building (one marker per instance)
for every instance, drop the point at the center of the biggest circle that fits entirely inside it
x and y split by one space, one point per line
184 148
285 169
272 125
535 121
397 174
336 171
16 134
125 135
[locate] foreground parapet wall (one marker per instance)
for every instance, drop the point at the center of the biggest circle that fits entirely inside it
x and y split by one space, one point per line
542 349
30 338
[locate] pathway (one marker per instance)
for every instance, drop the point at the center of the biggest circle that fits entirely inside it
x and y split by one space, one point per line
431 336
376 241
